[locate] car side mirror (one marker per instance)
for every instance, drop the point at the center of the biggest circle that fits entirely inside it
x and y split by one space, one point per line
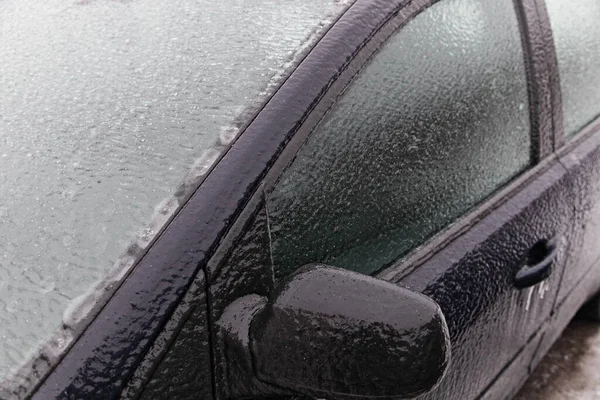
332 333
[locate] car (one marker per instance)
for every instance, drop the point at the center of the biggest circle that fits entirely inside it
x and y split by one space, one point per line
380 199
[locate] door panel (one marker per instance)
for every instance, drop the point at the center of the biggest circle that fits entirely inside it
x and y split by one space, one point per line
583 164
490 320
507 385
178 364
575 32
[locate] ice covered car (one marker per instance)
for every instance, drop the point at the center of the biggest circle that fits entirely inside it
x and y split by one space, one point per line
368 200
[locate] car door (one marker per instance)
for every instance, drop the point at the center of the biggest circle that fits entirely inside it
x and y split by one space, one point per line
418 166
576 65
575 36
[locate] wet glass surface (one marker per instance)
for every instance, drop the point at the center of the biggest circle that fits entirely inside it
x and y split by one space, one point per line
577 39
433 125
105 106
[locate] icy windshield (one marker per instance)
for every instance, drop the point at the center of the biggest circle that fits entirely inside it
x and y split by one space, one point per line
110 112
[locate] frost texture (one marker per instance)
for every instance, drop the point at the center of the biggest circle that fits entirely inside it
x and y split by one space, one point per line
576 34
110 114
433 125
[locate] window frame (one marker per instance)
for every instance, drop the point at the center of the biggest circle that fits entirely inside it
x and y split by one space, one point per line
545 122
542 70
541 116
262 151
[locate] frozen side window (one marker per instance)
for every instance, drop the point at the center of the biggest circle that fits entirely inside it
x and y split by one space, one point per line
576 33
435 123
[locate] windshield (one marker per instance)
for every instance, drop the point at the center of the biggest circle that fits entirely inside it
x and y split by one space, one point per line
110 112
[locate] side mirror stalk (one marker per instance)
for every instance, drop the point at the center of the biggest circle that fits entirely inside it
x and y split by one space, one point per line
234 340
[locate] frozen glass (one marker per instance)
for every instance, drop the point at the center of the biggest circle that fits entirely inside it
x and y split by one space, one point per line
110 111
576 33
435 123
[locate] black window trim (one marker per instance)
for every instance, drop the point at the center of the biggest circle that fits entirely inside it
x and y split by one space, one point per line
562 146
542 73
553 85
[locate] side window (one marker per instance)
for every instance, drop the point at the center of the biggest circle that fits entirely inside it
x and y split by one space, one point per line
435 122
576 34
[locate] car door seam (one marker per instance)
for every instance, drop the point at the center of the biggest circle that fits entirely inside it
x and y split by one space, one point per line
510 362
535 353
567 249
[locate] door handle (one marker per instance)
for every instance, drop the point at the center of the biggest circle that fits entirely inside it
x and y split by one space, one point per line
539 263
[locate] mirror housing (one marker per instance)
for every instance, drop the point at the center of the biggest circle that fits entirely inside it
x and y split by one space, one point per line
332 333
